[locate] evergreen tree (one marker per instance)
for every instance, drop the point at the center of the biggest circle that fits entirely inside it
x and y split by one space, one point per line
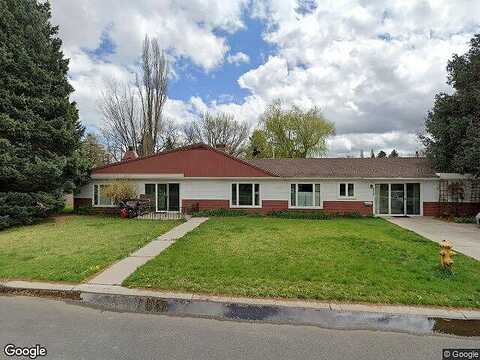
393 154
381 154
39 128
452 138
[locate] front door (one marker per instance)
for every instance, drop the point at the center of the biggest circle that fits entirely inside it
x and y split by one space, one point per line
397 199
168 197
413 199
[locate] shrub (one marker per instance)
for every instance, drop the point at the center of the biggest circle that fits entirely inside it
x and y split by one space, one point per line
283 214
314 215
221 213
18 208
121 190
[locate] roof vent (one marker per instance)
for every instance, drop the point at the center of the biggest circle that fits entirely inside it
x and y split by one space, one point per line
130 154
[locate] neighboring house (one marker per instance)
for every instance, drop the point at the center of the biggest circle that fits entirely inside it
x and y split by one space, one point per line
203 177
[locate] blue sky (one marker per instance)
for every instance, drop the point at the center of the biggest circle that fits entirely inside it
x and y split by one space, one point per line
221 84
373 67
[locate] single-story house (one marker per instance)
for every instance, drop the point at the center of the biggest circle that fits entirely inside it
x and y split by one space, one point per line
203 177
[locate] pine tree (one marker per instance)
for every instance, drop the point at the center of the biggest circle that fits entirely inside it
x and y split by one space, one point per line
381 154
393 154
39 128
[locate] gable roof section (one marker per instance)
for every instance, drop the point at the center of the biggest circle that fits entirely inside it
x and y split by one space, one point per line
348 167
197 160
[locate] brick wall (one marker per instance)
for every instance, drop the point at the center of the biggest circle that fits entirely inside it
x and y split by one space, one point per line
278 205
461 209
87 203
347 207
204 204
81 202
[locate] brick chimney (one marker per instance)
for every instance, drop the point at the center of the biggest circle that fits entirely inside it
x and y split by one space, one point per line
130 154
221 147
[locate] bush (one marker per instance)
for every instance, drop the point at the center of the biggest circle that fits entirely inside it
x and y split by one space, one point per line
221 213
121 190
282 214
18 208
314 215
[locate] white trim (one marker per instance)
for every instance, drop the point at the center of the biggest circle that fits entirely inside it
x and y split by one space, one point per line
346 196
260 200
313 207
136 176
455 176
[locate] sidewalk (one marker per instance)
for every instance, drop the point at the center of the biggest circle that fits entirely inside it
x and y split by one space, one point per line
118 272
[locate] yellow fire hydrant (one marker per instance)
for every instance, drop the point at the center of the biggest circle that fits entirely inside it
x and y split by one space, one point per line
446 254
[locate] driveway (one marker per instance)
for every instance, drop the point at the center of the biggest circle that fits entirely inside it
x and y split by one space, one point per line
465 238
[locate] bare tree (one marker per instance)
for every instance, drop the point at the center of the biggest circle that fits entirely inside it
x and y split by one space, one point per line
122 127
218 129
170 136
152 84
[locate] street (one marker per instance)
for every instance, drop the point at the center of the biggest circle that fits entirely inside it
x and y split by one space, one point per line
70 331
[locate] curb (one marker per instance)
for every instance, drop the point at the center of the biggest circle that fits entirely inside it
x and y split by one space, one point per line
416 320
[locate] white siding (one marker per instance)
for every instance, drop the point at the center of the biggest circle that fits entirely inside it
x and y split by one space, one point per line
194 189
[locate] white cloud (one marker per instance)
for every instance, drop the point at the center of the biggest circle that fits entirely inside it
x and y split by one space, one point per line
184 29
238 58
372 66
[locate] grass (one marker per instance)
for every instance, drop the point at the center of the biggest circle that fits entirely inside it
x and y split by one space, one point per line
360 260
72 248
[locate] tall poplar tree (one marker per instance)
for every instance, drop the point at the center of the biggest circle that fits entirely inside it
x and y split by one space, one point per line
39 128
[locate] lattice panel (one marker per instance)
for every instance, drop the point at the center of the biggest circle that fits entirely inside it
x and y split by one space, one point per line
475 191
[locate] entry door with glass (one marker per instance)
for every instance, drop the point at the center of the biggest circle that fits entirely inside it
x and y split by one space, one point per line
168 197
397 199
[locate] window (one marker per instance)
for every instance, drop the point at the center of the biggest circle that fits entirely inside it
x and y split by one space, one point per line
99 198
245 195
347 190
305 195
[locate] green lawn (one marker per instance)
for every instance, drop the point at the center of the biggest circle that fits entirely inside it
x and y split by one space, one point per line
362 260
72 248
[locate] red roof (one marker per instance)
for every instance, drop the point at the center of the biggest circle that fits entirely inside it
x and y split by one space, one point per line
198 160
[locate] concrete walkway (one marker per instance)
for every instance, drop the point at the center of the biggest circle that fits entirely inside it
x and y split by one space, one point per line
465 238
119 271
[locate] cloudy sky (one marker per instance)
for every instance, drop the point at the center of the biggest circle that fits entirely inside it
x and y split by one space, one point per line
372 66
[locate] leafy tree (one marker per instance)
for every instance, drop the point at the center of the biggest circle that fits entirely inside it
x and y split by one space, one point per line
452 127
258 146
93 151
218 129
39 128
121 190
381 154
393 154
293 132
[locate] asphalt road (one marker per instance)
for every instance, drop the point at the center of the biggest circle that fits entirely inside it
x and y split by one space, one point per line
71 331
